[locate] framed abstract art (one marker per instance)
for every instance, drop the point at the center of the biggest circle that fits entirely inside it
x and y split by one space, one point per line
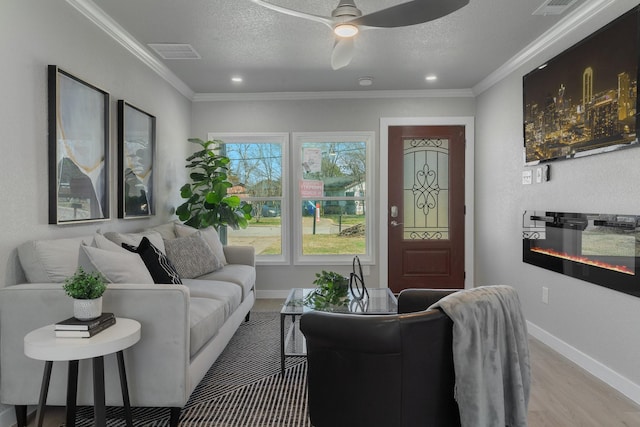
136 154
78 115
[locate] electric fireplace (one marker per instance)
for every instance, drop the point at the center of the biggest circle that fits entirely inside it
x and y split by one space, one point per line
597 248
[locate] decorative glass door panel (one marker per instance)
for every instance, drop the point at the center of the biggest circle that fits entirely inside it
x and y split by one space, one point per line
426 207
426 189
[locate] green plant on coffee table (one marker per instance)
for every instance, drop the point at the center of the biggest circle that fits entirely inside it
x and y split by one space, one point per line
84 285
332 290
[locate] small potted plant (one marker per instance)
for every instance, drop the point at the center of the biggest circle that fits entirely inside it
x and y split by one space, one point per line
332 290
86 289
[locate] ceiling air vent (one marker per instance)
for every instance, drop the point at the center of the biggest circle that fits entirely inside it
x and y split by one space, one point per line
175 51
554 7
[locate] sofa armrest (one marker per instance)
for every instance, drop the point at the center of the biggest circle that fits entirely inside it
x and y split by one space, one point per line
412 300
240 255
163 312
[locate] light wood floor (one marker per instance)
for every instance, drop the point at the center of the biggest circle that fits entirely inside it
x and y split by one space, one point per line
562 394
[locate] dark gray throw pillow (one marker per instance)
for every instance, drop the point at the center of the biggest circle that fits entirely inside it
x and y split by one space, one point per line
191 256
157 263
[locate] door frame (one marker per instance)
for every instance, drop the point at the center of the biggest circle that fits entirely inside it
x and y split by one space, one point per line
383 241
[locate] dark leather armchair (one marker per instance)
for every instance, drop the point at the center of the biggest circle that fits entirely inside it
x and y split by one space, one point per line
382 370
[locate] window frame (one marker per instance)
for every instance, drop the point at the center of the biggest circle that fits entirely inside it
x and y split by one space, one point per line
269 138
300 138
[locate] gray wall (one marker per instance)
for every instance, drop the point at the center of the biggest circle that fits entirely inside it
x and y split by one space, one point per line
316 116
36 33
591 324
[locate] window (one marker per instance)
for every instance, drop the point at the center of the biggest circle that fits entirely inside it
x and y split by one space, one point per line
332 188
323 206
258 173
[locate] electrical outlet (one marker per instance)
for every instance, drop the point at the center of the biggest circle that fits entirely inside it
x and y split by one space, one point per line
526 177
545 295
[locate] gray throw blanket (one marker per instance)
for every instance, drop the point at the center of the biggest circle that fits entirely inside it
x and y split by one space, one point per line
490 356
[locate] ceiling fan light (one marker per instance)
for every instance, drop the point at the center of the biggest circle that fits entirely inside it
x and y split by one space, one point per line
345 30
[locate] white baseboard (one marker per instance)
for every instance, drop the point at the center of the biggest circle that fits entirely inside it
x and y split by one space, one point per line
589 364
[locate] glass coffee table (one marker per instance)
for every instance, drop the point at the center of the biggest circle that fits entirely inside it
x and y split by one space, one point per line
292 343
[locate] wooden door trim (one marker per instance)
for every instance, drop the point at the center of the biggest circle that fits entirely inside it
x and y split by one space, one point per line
385 123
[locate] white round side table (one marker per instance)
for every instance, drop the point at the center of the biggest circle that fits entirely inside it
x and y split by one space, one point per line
42 344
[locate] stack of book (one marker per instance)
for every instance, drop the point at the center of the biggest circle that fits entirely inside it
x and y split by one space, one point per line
74 328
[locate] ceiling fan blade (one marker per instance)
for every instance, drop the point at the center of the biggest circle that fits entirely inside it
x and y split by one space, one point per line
410 13
342 53
322 19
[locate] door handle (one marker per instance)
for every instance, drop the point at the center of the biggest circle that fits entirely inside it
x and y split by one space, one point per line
395 223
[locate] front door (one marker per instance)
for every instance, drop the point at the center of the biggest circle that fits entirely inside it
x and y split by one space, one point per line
426 207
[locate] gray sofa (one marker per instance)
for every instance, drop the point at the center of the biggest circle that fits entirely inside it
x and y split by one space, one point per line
185 326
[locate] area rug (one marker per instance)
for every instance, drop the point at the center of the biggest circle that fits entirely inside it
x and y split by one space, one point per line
243 388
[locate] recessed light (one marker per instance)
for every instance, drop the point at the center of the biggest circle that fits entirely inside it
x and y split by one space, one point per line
236 79
365 81
431 78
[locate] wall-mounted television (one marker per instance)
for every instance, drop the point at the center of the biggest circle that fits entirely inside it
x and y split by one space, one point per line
584 101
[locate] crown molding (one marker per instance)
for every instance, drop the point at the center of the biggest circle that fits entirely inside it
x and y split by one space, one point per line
555 35
96 15
295 96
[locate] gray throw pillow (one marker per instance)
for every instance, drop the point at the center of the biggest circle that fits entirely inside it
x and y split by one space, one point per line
117 267
209 234
191 256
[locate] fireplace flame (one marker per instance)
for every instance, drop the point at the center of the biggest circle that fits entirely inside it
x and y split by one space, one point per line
583 260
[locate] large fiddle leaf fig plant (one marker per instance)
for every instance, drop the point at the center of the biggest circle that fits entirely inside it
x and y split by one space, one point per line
208 203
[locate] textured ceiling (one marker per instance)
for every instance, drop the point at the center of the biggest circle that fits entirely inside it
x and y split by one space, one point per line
280 53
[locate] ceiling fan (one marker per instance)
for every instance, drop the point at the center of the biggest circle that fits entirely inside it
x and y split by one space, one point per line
347 20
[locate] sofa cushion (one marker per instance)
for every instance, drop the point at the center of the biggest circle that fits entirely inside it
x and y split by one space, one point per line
191 256
51 261
134 239
167 231
101 242
240 274
229 293
157 262
206 317
210 236
116 267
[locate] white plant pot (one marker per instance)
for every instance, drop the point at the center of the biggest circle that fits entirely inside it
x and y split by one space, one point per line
87 309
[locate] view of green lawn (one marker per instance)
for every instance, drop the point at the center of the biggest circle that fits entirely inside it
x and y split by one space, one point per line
326 240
